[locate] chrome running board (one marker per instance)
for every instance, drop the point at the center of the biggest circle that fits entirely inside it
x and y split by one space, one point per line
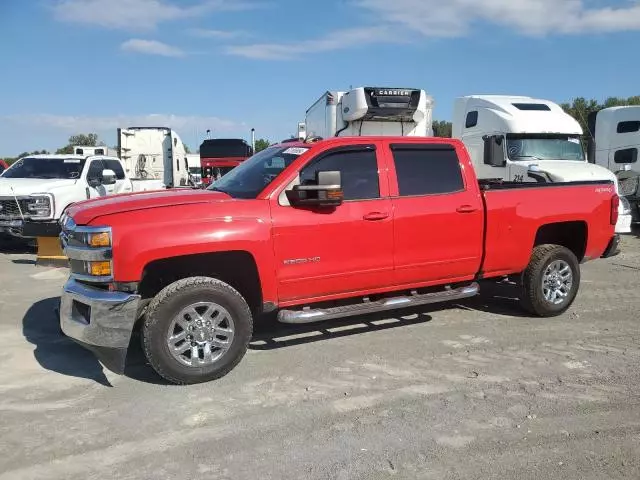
309 315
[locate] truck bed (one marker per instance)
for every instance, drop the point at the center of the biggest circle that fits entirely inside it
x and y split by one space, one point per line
514 212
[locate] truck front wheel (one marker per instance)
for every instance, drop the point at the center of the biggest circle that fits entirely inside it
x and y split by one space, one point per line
551 280
196 329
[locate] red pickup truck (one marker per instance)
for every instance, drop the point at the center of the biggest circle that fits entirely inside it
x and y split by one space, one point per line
313 231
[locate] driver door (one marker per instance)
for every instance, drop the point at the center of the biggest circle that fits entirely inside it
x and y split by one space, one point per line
333 251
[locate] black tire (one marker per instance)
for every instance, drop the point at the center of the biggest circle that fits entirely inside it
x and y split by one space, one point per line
166 306
533 299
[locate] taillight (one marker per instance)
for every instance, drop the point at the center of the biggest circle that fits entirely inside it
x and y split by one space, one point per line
615 205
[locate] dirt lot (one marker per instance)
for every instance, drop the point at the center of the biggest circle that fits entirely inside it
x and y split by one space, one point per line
467 391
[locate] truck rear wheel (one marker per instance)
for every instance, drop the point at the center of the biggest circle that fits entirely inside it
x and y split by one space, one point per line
551 281
196 330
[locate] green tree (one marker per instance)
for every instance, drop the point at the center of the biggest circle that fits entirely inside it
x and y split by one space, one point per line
442 129
186 148
86 140
261 144
11 160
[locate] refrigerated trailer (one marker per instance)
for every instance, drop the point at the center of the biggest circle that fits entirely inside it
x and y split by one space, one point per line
370 111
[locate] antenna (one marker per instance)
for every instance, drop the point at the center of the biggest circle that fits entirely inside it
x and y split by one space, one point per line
208 133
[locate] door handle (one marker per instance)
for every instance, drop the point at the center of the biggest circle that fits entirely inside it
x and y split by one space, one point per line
375 216
466 209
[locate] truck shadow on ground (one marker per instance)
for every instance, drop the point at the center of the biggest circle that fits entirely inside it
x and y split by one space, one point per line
269 334
54 351
497 299
17 246
57 353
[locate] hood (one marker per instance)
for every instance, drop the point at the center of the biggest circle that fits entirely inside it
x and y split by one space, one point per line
85 211
28 186
571 171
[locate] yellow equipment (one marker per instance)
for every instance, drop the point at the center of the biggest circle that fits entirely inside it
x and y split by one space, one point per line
50 253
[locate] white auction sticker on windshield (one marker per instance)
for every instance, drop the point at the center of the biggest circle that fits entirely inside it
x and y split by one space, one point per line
71 160
295 150
574 140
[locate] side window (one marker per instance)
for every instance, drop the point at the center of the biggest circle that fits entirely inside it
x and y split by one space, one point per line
116 166
628 127
628 155
472 119
358 170
95 170
99 151
427 171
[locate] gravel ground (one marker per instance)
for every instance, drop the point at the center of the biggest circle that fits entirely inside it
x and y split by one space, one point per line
472 390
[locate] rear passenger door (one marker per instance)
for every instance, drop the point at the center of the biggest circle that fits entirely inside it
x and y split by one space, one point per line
438 219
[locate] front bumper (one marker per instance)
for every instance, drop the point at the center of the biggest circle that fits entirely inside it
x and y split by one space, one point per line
612 249
99 320
30 229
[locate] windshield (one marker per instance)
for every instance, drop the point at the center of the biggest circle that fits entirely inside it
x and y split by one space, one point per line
544 147
252 176
62 168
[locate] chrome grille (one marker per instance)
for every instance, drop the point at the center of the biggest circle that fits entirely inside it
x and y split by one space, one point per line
9 209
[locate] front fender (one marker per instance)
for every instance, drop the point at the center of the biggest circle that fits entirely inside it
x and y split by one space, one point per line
145 236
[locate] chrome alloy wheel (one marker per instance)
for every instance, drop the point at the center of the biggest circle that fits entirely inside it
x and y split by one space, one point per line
200 334
557 281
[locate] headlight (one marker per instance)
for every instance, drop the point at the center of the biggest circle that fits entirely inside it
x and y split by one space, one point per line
629 186
99 269
89 251
625 207
99 239
40 206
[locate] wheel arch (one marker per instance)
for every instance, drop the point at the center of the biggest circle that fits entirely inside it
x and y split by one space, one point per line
238 268
572 235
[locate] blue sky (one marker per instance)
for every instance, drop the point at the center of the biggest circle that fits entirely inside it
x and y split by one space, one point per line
80 66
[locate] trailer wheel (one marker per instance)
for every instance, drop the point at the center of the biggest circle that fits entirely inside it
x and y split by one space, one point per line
196 330
551 280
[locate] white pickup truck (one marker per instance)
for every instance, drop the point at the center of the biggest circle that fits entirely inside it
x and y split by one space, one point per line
37 189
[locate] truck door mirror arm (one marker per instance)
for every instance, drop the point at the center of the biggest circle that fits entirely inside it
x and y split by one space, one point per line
494 150
325 192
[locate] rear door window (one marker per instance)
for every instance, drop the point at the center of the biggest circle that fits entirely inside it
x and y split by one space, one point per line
427 169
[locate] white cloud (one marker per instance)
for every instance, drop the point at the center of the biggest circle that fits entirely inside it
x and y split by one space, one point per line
151 47
137 14
220 34
86 123
332 41
401 20
434 18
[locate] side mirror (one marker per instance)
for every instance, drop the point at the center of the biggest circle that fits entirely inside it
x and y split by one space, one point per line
108 177
327 192
494 151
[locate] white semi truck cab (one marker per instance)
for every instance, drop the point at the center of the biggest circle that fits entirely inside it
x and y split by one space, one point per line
524 139
370 111
614 144
154 153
